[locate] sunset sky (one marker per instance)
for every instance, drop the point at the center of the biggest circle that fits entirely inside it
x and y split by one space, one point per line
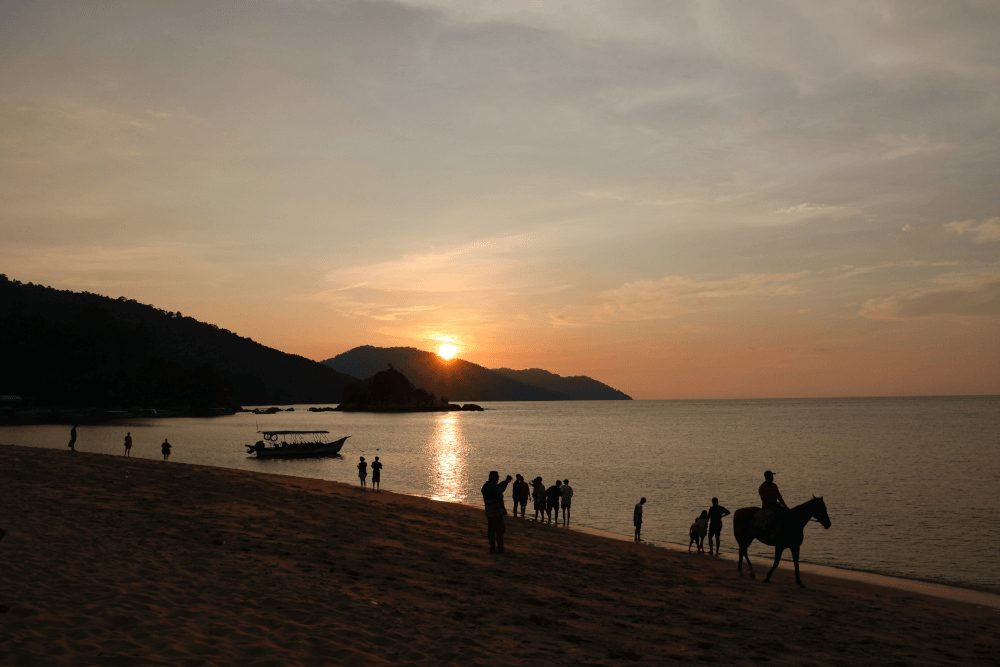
701 199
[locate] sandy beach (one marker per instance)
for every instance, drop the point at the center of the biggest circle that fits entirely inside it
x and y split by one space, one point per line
113 561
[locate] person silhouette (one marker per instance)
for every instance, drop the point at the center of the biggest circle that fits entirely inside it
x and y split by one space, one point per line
72 439
637 519
715 514
702 523
376 474
567 498
362 471
538 496
553 495
771 502
128 443
519 494
165 449
493 501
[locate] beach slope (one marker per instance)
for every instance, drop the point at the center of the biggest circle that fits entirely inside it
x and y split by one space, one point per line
109 561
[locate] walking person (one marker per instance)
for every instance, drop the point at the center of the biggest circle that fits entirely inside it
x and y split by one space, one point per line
567 498
362 471
165 449
702 523
715 514
637 519
493 501
552 497
72 439
128 443
538 496
376 474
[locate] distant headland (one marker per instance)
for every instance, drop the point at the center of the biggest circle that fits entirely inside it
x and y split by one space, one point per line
471 382
78 356
390 391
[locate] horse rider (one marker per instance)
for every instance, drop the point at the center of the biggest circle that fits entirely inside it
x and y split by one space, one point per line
771 502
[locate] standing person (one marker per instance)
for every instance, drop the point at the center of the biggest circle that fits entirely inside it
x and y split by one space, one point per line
128 443
552 497
376 474
72 439
520 494
702 522
567 498
165 449
362 471
693 534
637 518
493 500
715 514
538 495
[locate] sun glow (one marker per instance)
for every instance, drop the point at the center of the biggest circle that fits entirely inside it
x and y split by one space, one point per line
447 351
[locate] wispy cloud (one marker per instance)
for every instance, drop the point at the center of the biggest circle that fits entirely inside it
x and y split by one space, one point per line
493 264
854 271
807 208
987 231
664 298
630 198
972 294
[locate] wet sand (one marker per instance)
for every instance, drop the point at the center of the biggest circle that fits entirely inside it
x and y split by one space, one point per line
109 561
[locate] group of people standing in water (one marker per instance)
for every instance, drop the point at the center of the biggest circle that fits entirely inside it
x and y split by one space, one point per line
545 500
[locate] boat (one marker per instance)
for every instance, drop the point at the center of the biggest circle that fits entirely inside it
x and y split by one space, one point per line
290 444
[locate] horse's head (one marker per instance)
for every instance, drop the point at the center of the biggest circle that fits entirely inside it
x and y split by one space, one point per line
819 511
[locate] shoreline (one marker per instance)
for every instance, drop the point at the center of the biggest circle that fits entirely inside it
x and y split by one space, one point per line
982 597
954 590
959 591
141 562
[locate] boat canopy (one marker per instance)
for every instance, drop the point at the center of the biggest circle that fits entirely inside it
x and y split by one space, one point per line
291 432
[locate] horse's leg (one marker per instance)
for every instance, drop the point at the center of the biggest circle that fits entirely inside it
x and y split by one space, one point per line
739 565
795 559
777 559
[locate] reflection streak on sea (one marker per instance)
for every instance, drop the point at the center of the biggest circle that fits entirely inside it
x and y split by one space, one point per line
448 455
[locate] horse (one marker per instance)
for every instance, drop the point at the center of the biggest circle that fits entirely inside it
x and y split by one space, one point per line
789 536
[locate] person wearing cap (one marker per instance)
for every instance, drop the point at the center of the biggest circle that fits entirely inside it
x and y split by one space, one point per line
771 502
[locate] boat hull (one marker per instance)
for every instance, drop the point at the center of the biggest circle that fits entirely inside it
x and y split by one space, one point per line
300 451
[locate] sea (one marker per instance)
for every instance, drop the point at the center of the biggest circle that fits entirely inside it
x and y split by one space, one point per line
912 485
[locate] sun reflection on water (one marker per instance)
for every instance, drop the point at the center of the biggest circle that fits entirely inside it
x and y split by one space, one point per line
448 454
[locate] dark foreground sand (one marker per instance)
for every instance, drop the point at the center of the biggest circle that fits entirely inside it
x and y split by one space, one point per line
185 565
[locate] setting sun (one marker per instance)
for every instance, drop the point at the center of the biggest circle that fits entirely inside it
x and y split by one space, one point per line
447 351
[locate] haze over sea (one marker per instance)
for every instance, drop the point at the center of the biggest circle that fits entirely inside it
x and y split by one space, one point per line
910 483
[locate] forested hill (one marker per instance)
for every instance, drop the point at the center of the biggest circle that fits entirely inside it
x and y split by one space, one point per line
464 381
576 387
257 374
454 379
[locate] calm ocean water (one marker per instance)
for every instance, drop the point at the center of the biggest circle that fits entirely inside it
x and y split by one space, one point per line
910 483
